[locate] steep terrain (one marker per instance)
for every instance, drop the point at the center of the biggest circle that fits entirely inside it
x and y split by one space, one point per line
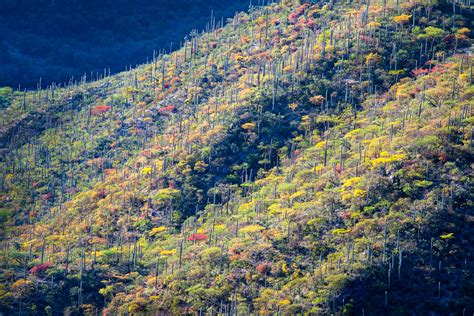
305 158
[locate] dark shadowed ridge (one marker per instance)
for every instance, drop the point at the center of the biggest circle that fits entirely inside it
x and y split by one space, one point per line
56 40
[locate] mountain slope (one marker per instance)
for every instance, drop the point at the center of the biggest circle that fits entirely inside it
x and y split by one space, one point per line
310 158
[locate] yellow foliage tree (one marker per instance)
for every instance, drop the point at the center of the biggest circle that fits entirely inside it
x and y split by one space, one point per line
402 19
156 231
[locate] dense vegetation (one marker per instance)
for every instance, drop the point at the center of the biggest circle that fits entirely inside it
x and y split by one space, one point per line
58 39
309 158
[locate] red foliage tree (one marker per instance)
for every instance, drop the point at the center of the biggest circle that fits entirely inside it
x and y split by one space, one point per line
437 69
197 237
420 71
175 81
300 10
100 109
264 267
40 268
166 109
293 17
345 215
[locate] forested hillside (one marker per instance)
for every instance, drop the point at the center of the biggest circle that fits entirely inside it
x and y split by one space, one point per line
306 158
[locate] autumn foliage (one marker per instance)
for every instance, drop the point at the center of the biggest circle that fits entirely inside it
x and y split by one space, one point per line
197 237
100 109
305 159
41 268
264 267
166 109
